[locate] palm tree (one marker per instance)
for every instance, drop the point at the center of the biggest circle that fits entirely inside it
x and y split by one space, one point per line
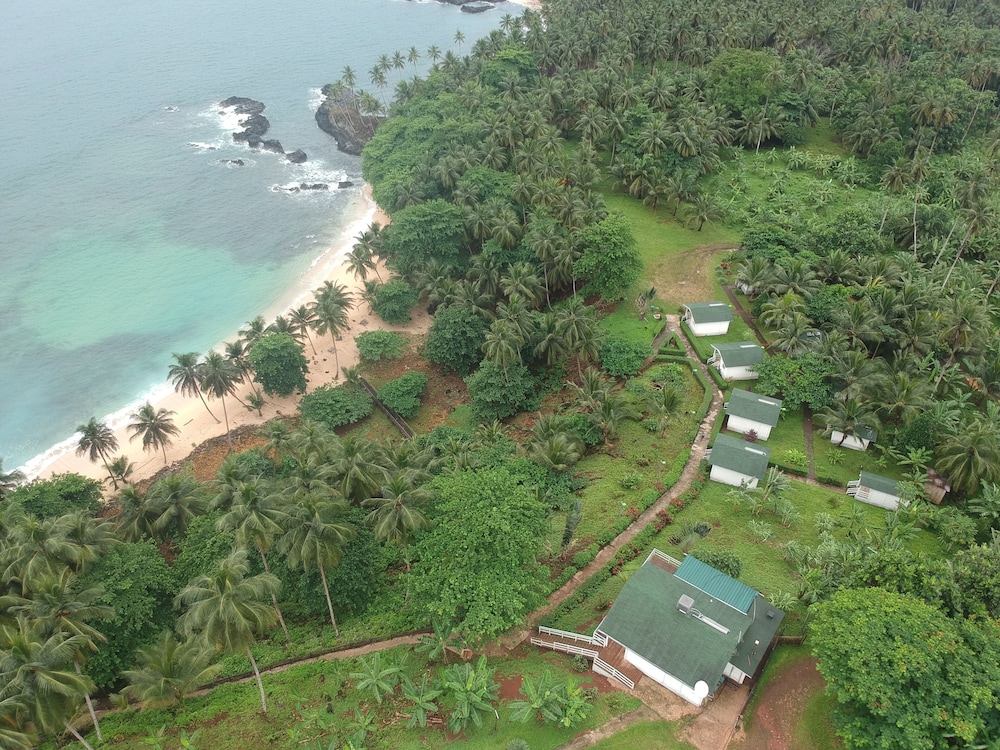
168 671
219 377
662 404
135 516
35 547
252 331
98 441
849 417
227 609
155 426
557 453
257 519
33 670
173 502
331 317
185 376
304 318
970 457
315 536
397 513
9 480
580 330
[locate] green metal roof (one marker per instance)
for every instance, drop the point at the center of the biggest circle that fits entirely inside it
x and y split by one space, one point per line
716 584
740 456
709 312
751 406
645 619
879 484
740 353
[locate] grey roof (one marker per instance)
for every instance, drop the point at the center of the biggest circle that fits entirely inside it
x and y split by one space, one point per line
751 406
645 618
879 484
716 584
709 312
740 353
740 456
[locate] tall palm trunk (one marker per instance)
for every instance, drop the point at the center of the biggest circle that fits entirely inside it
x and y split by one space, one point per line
90 707
274 599
104 460
329 604
202 397
260 682
229 437
72 730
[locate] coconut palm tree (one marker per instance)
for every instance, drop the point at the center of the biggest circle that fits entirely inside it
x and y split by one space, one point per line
257 520
219 377
304 318
168 671
97 441
173 502
849 417
396 512
9 480
252 331
314 537
662 404
227 609
556 453
36 670
185 376
35 547
154 426
971 456
331 317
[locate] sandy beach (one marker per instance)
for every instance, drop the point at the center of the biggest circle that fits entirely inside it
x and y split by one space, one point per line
197 425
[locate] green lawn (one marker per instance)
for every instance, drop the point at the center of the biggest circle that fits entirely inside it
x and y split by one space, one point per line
319 700
738 331
647 735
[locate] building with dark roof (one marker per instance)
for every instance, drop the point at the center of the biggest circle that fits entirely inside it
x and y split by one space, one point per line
708 318
737 462
747 411
735 361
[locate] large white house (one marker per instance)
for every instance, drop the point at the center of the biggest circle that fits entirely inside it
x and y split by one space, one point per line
737 462
747 411
735 361
708 318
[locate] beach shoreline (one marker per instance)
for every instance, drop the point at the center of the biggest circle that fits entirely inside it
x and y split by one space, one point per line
195 423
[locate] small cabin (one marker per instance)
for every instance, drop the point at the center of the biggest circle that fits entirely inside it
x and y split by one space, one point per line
859 441
708 318
747 411
875 490
736 462
736 361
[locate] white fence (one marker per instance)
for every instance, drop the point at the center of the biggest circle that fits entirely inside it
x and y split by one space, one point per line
566 648
597 639
602 667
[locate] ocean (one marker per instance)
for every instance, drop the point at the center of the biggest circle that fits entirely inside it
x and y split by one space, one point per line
124 233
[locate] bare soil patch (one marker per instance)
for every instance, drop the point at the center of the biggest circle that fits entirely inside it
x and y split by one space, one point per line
780 708
688 275
510 688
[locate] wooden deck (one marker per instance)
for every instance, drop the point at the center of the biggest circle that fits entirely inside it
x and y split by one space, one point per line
613 654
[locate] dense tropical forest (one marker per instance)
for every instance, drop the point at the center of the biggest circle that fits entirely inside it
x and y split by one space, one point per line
836 165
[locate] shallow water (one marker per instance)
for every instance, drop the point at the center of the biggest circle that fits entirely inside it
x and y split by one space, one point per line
123 235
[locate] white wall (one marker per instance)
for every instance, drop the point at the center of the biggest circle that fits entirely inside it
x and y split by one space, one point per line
881 499
708 329
656 674
852 442
735 674
742 425
736 373
728 476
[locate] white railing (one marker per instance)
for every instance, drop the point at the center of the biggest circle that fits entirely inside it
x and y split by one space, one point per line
566 648
665 557
593 640
852 491
854 483
602 667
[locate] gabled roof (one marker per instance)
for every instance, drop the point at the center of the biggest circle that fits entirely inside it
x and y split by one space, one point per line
879 484
740 354
753 407
645 619
866 433
716 584
709 312
740 456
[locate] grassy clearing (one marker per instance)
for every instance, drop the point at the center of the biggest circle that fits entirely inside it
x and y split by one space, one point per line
816 729
649 735
319 701
738 331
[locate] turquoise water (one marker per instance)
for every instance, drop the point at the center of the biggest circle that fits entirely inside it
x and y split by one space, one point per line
123 237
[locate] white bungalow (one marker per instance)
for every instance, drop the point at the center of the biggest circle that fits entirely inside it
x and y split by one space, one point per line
859 441
734 361
747 411
736 462
708 318
875 490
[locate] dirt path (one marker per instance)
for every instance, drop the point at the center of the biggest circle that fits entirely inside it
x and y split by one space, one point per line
747 318
609 729
780 709
807 436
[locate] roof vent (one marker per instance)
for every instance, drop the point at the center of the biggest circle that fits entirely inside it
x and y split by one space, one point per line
770 614
685 604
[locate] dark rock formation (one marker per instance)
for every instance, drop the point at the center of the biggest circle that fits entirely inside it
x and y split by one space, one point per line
344 184
339 117
313 186
232 162
242 105
272 145
297 156
476 7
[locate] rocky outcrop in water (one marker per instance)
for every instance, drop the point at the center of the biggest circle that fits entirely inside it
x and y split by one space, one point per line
298 156
241 105
255 127
340 117
273 145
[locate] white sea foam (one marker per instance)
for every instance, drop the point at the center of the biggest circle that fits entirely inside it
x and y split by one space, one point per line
315 98
203 146
115 420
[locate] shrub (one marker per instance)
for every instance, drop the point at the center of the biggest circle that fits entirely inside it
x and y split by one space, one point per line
606 536
336 406
621 357
720 559
580 663
631 480
402 395
455 339
278 364
583 557
392 301
63 493
496 394
750 436
376 345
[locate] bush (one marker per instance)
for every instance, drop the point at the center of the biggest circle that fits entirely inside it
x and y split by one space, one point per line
621 357
402 395
376 345
278 364
335 406
583 557
455 340
606 536
392 301
62 494
720 559
496 394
